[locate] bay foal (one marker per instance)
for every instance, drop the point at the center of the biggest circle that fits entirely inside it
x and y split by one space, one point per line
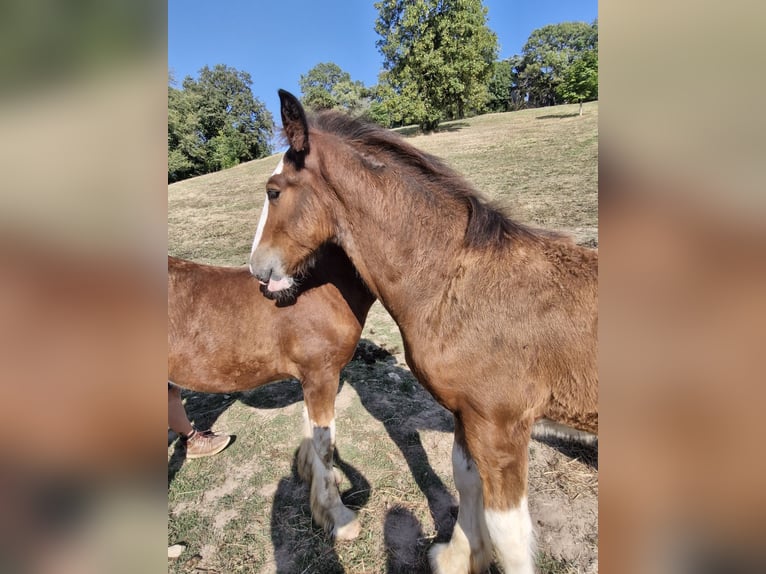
225 336
499 321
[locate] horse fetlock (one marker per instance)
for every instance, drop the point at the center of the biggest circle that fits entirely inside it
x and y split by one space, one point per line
305 460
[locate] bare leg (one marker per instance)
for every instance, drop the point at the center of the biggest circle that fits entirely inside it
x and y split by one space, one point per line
177 419
198 444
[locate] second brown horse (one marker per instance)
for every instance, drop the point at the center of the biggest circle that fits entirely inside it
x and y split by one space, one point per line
225 336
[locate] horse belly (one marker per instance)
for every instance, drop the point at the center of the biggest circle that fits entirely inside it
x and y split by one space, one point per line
219 360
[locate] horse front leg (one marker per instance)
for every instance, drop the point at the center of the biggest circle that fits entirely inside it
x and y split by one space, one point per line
502 451
315 461
490 467
470 548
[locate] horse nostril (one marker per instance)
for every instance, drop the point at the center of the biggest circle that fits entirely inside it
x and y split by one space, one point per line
263 277
258 273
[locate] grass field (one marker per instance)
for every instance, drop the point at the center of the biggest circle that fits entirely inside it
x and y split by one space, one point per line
245 510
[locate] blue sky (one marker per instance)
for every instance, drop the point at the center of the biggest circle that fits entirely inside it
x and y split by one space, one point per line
276 42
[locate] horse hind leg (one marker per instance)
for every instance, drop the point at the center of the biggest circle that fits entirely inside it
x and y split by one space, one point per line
470 548
315 466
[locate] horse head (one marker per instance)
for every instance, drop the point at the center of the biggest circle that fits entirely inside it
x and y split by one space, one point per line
295 220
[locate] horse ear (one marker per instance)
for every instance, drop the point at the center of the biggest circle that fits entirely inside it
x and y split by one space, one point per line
294 122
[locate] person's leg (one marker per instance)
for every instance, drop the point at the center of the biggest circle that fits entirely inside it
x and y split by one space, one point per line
177 419
198 443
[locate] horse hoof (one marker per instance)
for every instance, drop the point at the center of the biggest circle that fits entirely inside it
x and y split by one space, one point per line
444 560
349 530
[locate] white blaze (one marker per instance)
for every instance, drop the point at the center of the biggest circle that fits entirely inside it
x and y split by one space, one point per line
261 225
265 212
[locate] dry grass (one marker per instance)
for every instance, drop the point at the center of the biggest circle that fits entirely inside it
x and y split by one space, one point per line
245 510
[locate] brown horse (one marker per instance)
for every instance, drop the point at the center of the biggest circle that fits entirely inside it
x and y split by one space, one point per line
224 336
499 321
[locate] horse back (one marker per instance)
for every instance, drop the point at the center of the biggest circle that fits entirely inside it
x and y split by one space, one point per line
224 335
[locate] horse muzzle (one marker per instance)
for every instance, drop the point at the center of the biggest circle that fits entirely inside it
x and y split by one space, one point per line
268 270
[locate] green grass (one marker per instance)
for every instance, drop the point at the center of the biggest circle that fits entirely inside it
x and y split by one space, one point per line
245 510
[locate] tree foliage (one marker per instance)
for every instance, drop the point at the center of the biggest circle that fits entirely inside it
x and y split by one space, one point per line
438 57
506 87
391 107
326 86
215 122
547 57
580 82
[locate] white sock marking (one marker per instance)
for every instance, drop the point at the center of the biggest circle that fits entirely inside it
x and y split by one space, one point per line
511 533
470 548
310 426
468 483
326 505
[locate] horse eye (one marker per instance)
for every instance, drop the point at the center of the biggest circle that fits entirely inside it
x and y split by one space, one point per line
272 194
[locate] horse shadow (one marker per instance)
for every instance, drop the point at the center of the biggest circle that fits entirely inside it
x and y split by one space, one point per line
586 453
411 131
204 409
405 545
402 536
299 544
403 414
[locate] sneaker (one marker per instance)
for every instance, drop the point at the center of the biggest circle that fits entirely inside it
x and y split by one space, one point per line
206 443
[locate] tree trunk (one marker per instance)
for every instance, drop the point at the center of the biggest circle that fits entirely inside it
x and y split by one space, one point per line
580 107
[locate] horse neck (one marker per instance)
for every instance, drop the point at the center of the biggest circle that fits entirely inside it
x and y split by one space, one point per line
406 242
333 266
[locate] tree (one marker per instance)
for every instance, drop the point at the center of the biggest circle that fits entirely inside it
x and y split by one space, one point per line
439 52
506 87
500 87
215 122
186 150
326 86
547 55
392 108
580 82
